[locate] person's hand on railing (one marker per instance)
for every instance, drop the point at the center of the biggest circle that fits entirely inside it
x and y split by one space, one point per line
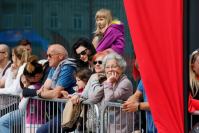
130 106
65 95
75 99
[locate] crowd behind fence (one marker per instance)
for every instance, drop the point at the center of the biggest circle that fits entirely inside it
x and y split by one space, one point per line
99 119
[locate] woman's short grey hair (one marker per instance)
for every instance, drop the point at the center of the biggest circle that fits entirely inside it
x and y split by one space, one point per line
114 56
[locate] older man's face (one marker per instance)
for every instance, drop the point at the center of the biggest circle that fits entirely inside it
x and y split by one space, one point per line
53 57
3 53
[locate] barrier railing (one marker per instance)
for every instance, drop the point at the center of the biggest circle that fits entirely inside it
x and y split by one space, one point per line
114 120
8 103
47 114
40 111
192 120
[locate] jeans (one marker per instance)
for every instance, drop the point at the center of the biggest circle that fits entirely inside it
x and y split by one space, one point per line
8 120
52 126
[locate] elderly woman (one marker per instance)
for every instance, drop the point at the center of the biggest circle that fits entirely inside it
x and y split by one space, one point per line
117 87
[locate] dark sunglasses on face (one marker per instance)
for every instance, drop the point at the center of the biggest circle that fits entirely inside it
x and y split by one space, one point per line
51 55
84 52
99 62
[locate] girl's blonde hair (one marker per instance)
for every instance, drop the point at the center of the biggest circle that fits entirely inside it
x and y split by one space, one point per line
21 54
194 82
103 13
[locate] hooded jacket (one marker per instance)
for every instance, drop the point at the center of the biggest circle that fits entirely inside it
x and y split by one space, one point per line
55 73
113 38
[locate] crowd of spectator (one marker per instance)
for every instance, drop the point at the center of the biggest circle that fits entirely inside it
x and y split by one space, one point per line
95 72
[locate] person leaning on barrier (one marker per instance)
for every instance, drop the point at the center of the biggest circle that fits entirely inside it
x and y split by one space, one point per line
133 104
93 91
32 74
5 63
60 77
117 87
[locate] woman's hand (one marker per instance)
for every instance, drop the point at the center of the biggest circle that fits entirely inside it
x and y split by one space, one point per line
75 99
112 77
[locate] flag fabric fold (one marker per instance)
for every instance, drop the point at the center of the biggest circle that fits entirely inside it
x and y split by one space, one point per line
157 34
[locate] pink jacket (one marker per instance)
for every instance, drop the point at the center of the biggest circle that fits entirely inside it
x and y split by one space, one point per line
34 110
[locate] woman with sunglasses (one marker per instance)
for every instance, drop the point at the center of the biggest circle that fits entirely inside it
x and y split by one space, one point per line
92 88
83 51
95 80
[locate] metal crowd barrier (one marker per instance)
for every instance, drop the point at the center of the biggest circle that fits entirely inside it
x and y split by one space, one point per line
40 111
194 114
8 103
114 120
108 118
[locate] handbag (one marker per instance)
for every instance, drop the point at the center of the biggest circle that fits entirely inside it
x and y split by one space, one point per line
71 115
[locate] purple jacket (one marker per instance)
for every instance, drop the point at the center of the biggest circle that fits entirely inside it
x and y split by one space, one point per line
113 38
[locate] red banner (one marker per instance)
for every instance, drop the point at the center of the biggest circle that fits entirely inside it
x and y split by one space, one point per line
156 31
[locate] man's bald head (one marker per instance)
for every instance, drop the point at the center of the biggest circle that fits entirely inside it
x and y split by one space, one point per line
58 48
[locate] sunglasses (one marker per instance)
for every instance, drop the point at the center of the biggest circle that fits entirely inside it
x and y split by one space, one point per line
51 55
84 52
99 62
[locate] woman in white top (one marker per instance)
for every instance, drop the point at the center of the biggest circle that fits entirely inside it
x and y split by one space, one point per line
12 81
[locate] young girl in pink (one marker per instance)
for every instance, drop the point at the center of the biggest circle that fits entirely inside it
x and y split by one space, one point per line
109 34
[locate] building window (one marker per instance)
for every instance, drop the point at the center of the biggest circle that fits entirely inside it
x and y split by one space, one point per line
77 22
8 21
28 21
54 21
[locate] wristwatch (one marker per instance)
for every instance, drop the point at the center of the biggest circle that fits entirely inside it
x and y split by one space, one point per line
39 94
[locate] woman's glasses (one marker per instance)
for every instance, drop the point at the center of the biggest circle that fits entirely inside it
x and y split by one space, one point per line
84 52
97 62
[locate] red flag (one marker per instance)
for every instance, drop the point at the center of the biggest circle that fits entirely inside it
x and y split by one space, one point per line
156 31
